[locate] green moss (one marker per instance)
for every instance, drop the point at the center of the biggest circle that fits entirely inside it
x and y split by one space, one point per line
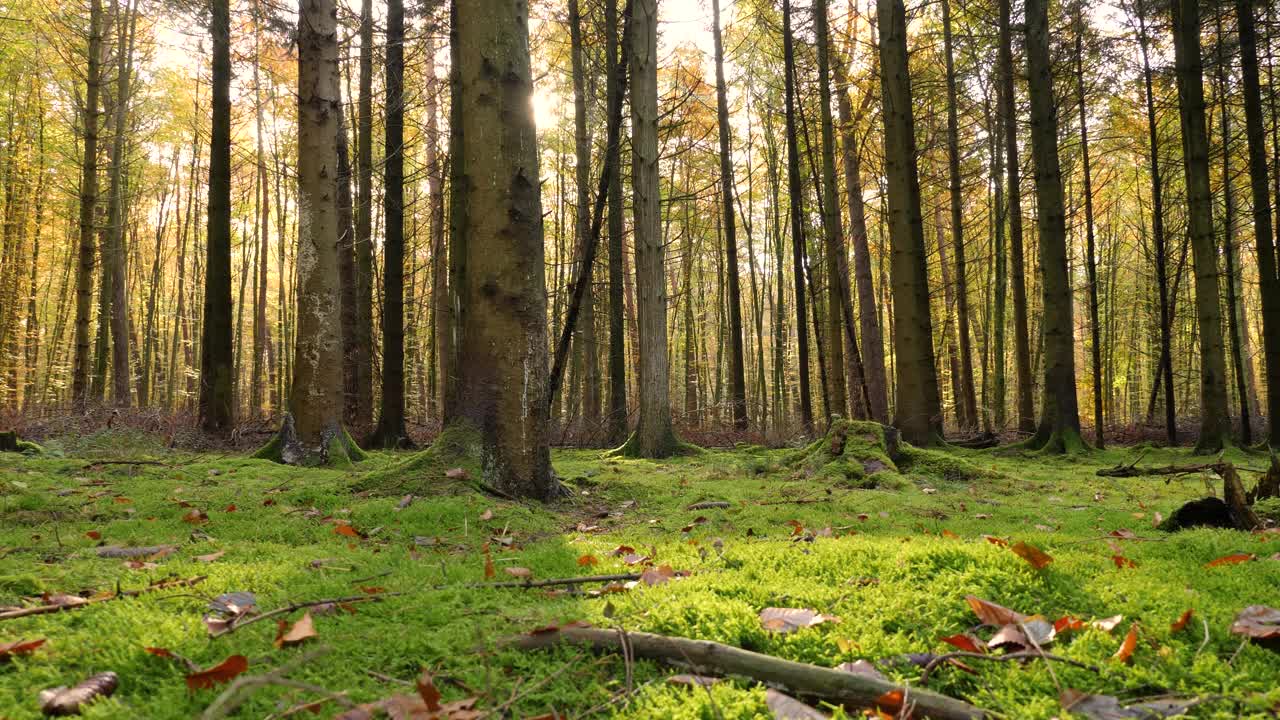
426 472
1268 509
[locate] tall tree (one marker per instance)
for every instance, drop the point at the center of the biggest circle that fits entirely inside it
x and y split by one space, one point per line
88 202
1188 67
737 367
617 278
1017 262
918 413
585 337
796 203
391 431
503 329
1059 429
217 382
362 403
116 256
968 400
1090 251
1268 280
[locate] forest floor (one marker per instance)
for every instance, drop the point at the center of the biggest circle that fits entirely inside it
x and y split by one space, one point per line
893 565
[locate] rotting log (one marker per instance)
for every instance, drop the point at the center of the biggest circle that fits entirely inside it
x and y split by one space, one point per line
716 658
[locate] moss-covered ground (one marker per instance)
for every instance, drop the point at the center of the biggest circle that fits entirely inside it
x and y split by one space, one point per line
895 568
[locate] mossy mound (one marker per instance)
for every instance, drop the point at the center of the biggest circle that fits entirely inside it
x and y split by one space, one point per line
337 448
433 471
866 454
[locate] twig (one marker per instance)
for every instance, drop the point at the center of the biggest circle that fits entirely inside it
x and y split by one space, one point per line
934 663
374 576
1206 637
46 609
548 583
232 626
387 678
94 463
230 699
515 697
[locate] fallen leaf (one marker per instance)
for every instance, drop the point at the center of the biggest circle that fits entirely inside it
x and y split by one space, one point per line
999 542
1181 623
785 707
1124 534
456 474
1233 559
1009 636
1128 645
196 517
140 565
622 550
890 701
519 572
1123 562
230 508
992 614
1067 624
635 559
211 557
588 561
1038 558
657 575
1108 707
223 672
19 647
428 692
370 590
488 562
787 620
1107 624
1258 622
949 534
303 630
486 515
345 529
965 642
93 535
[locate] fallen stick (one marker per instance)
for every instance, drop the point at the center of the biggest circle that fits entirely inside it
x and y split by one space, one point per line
46 609
709 505
549 583
233 625
712 657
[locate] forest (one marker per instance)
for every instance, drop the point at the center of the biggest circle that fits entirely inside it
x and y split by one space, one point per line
691 359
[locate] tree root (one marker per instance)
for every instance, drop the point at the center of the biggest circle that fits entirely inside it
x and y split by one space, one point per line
716 658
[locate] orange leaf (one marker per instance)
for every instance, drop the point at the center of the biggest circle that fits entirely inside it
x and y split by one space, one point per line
992 614
1067 624
588 560
1181 623
93 535
1000 542
196 517
1127 646
159 652
949 534
488 562
221 673
1123 562
1233 559
1038 558
965 642
428 692
231 508
346 530
891 701
303 630
21 647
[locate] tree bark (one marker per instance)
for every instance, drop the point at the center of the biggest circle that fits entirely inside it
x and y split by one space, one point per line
217 383
1188 66
796 203
1091 263
918 413
117 212
362 410
88 203
617 278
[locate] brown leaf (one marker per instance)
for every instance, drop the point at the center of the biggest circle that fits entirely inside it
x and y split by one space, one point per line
1009 636
519 572
196 517
1258 622
1067 623
1123 534
949 534
211 556
1181 623
140 565
372 589
19 647
428 692
999 542
1233 559
1128 645
487 515
657 575
230 508
965 642
223 672
787 620
1123 562
588 560
622 550
345 529
1038 558
456 473
992 614
488 562
890 701
93 535
635 559
303 630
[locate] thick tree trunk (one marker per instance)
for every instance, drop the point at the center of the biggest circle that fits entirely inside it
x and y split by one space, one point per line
391 431
1059 429
1268 280
918 413
217 383
967 402
1214 417
117 211
737 366
1017 271
653 436
503 332
88 204
347 275
796 203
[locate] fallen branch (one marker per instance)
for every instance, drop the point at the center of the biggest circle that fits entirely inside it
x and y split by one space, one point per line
934 663
236 624
549 583
709 505
715 658
59 607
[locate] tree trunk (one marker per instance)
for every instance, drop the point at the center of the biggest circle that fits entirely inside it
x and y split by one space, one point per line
88 205
967 402
1268 280
1017 273
585 336
1059 429
217 383
391 431
1214 417
617 278
440 315
1091 262
362 409
117 212
796 202
504 327
918 413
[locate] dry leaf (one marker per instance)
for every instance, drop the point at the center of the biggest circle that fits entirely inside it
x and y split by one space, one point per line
488 562
345 529
787 620
1067 624
301 631
1128 645
965 642
1181 623
211 556
519 572
588 560
1107 624
949 534
140 565
19 647
1038 558
657 575
1123 562
223 672
1233 559
93 535
992 614
999 542
196 517
456 474
428 692
486 515
230 508
1258 622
